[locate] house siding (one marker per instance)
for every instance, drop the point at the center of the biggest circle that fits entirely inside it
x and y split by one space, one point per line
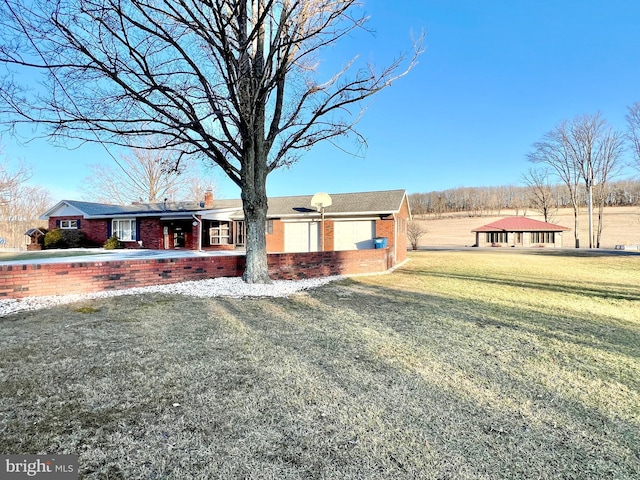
150 233
275 240
95 230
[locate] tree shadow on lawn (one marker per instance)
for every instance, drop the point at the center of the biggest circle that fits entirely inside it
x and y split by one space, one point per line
577 252
386 375
611 335
615 291
336 383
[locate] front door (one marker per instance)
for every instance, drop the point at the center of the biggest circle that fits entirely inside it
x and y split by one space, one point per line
178 237
518 238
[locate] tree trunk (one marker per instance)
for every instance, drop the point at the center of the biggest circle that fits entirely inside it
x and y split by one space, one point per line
576 225
255 216
590 209
254 198
254 205
600 215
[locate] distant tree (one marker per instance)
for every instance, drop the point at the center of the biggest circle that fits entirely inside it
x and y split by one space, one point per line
10 179
234 82
540 192
20 204
145 175
415 231
607 164
554 151
633 124
586 150
596 150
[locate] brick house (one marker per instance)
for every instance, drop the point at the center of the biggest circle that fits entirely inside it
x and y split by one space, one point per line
352 222
519 232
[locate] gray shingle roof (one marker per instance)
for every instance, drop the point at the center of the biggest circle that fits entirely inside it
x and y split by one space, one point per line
388 201
99 209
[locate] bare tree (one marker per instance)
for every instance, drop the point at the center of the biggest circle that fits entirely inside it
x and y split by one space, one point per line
145 175
234 82
607 165
584 149
596 150
10 179
540 192
633 124
415 231
554 151
21 209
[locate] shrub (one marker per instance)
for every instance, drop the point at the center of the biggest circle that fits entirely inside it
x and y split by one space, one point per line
59 238
53 239
74 238
113 243
415 231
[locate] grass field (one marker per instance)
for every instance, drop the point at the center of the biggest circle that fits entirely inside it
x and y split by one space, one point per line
459 365
621 226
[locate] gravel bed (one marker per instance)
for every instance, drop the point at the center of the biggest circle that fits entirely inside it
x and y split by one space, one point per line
214 287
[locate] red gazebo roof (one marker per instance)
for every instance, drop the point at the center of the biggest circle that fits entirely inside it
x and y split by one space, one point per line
520 224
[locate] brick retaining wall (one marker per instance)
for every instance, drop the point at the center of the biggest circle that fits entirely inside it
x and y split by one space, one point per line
18 281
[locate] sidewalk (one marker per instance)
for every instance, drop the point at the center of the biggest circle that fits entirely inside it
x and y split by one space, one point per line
102 255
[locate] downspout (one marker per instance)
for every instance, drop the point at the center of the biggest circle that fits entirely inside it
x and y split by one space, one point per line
395 239
199 231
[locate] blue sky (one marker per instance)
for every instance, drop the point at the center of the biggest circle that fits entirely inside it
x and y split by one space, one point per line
495 76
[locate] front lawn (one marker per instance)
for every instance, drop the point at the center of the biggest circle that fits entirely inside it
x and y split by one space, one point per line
459 365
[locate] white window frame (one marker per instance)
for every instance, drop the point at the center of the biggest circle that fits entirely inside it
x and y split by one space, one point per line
116 229
69 224
220 232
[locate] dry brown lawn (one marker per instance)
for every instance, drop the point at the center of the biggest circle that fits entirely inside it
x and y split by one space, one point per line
621 227
481 364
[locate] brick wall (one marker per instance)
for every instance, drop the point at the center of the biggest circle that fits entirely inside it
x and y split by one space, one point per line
275 240
95 230
19 281
151 233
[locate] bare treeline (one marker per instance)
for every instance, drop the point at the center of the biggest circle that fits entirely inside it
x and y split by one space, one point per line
21 205
486 201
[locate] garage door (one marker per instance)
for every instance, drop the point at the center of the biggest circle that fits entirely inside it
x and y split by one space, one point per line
301 237
354 235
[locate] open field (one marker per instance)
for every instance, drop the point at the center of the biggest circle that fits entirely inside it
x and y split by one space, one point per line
480 364
621 226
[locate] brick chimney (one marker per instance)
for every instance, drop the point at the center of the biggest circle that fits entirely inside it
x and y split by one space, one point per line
208 199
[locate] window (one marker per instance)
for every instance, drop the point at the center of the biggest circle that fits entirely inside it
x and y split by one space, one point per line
125 230
239 232
219 233
496 237
268 228
68 224
543 237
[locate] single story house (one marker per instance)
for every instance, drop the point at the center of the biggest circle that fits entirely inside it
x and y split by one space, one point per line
352 222
519 232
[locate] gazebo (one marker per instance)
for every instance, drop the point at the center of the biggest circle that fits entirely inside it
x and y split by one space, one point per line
519 232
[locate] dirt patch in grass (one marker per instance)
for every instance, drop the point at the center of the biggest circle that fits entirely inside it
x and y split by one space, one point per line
458 366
